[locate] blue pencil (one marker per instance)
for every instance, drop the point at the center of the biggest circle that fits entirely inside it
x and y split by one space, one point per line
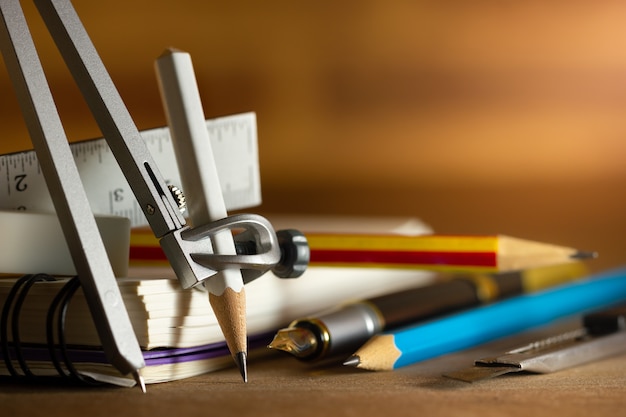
408 345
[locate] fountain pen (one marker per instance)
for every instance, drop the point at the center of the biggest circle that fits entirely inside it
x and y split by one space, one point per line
344 329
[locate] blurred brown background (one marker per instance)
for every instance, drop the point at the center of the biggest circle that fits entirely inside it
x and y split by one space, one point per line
478 117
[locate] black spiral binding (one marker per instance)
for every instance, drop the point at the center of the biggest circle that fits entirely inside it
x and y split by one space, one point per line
55 320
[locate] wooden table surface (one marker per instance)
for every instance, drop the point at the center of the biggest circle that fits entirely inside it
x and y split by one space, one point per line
280 385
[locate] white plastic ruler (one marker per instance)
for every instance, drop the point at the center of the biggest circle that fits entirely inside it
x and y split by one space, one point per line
234 144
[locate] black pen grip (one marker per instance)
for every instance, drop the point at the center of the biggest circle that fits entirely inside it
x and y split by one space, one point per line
407 306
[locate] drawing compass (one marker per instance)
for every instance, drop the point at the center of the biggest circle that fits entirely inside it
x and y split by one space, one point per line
189 249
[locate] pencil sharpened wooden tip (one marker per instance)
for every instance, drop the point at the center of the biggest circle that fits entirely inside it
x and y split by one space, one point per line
241 361
230 311
353 360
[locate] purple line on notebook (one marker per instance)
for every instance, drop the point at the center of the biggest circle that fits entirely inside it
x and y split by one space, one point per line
161 356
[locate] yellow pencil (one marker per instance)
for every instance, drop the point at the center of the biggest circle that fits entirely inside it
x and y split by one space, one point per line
451 253
480 253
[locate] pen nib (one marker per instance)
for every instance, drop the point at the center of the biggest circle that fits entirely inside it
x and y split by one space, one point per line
353 360
241 361
298 341
140 381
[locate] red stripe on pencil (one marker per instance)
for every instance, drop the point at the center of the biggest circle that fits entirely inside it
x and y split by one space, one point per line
329 257
404 258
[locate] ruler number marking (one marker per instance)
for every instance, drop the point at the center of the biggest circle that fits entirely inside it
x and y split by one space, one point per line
20 182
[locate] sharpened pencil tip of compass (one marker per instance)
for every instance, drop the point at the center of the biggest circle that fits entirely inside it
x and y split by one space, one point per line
241 360
584 255
353 360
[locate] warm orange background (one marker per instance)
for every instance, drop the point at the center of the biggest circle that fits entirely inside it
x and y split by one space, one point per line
483 116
